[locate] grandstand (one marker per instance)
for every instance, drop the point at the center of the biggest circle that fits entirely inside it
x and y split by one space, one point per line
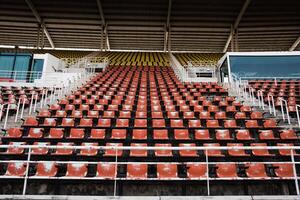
162 99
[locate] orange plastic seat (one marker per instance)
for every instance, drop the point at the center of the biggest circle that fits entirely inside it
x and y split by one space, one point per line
106 170
65 150
196 171
49 122
93 114
18 150
68 122
220 115
204 115
16 169
14 133
194 123
212 124
42 150
235 151
158 123
223 134
157 115
30 121
230 109
89 151
243 134
188 152
270 123
288 135
141 114
139 134
124 123
166 171
140 123
76 114
226 170
46 169
60 113
240 115
97 134
125 114
163 152
260 152
76 133
256 170
137 171
181 134
138 152
44 113
188 115
104 123
213 152
85 122
286 152
108 114
35 132
118 134
202 134
252 124
160 134
230 123
76 170
176 123
256 115
266 135
284 170
113 152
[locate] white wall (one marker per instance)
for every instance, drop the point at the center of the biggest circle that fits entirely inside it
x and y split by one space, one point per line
50 61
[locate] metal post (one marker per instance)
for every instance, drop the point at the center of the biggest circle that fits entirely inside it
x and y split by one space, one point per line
42 98
273 104
295 172
116 171
35 102
6 116
282 110
27 169
269 103
207 173
18 107
23 106
31 102
1 111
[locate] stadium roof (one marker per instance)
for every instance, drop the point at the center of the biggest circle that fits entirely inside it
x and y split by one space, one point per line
179 25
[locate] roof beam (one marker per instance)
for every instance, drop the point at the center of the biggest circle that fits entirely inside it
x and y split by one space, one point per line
103 23
167 27
40 21
295 44
236 24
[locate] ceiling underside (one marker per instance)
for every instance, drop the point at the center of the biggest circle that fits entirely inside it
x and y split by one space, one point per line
193 25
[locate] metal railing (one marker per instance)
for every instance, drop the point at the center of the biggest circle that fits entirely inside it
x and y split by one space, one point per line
28 161
20 76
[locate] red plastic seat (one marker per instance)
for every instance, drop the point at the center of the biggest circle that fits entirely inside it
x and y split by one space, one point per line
212 124
46 169
266 135
202 134
57 106
76 170
252 124
68 122
213 108
140 123
139 134
76 133
85 122
137 171
97 134
106 171
166 171
16 169
260 152
163 152
284 170
256 115
235 151
93 114
198 108
44 113
240 115
60 113
41 150
246 109
196 171
286 152
56 133
176 123
226 170
188 152
181 134
118 134
158 123
76 114
173 115
230 123
104 123
213 152
194 123
141 114
270 123
124 123
138 152
204 115
14 133
50 122
18 150
256 170
89 151
157 115
125 114
230 109
65 150
188 115
223 134
160 134
220 115
108 114
243 134
113 152
288 135
30 121
35 132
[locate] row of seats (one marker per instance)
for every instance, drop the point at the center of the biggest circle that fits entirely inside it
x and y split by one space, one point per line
167 171
43 150
205 59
